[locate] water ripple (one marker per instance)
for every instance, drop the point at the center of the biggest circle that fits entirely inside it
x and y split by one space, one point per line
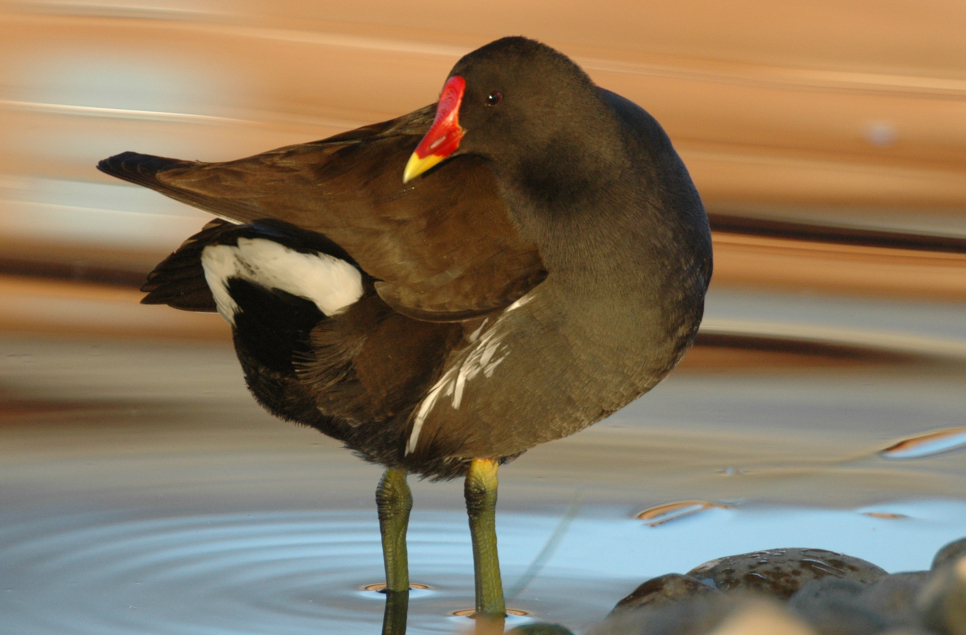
238 573
119 573
927 444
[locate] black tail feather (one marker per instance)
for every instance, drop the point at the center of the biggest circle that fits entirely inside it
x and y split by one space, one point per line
272 326
141 169
179 281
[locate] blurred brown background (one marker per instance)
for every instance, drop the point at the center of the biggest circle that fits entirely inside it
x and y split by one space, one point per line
827 138
830 114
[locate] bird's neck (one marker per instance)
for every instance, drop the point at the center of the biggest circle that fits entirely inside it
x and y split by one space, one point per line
559 184
605 244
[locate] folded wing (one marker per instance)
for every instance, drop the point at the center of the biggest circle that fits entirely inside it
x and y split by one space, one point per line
442 247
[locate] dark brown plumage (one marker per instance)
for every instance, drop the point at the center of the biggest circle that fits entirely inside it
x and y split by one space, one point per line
446 290
564 198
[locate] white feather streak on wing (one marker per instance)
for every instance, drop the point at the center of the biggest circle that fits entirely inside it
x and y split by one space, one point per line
330 283
458 386
488 369
428 402
479 359
519 303
472 337
476 362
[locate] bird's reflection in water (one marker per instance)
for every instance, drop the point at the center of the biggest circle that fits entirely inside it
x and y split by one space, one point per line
397 609
489 625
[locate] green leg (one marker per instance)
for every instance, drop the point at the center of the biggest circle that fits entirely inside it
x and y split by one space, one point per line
480 492
394 501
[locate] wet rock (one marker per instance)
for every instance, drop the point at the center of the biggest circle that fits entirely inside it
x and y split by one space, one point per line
942 603
696 616
835 590
894 597
779 573
665 589
949 553
830 606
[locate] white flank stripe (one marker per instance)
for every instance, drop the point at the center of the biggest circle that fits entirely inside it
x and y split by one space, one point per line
330 283
479 359
472 337
519 303
424 409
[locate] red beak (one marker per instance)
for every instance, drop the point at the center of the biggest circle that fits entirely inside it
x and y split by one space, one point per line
444 135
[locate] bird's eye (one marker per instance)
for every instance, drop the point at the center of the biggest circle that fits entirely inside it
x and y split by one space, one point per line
494 98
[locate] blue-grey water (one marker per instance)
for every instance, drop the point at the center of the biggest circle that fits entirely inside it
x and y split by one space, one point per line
144 492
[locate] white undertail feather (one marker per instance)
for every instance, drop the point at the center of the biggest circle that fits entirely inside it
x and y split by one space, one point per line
331 283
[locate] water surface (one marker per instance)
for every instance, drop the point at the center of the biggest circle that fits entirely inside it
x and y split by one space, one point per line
143 491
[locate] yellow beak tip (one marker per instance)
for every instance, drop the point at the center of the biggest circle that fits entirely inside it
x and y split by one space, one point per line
416 166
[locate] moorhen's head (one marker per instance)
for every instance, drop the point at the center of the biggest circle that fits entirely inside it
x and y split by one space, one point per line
512 101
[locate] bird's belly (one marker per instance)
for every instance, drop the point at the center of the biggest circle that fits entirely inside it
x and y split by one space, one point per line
537 375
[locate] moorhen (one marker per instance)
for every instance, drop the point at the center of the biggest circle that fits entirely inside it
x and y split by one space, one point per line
445 290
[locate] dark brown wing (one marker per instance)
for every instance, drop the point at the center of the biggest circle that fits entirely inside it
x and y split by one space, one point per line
442 246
